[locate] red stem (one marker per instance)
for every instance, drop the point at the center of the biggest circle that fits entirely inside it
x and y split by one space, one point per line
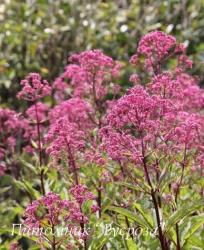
154 199
98 107
53 238
76 179
40 152
72 164
178 246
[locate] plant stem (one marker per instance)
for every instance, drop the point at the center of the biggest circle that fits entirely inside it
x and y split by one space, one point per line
126 218
178 246
72 163
53 238
154 199
99 199
76 179
40 151
99 124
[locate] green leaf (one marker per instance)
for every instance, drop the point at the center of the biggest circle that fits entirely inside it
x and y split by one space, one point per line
4 189
134 187
144 214
26 186
29 166
130 216
98 243
131 245
194 243
181 214
195 223
12 231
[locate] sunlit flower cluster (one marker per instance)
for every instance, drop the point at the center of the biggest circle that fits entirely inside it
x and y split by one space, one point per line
34 88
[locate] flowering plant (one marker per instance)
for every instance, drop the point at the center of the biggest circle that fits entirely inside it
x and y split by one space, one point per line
127 166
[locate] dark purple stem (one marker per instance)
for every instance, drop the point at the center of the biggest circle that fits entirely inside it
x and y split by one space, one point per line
76 179
155 202
40 151
178 246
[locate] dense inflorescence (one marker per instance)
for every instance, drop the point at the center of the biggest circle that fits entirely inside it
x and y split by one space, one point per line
34 88
14 135
157 47
65 137
76 110
164 115
55 211
37 112
89 74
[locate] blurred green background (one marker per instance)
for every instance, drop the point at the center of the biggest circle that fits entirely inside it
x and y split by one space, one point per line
38 35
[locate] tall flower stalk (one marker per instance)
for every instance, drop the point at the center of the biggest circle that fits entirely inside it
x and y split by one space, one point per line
40 151
33 89
158 119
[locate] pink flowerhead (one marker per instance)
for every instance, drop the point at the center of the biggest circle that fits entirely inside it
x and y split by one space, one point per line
134 59
42 110
12 125
154 46
132 116
2 170
89 74
54 210
34 88
14 246
140 121
65 138
184 62
95 208
81 193
75 110
134 78
182 89
156 42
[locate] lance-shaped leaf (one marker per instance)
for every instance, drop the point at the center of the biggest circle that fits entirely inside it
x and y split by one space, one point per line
130 215
195 223
182 213
144 214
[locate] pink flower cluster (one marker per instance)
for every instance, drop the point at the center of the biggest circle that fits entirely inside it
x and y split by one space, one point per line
65 138
38 112
14 246
93 156
88 74
81 193
51 209
12 126
76 110
164 116
181 88
34 88
140 124
157 47
134 116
